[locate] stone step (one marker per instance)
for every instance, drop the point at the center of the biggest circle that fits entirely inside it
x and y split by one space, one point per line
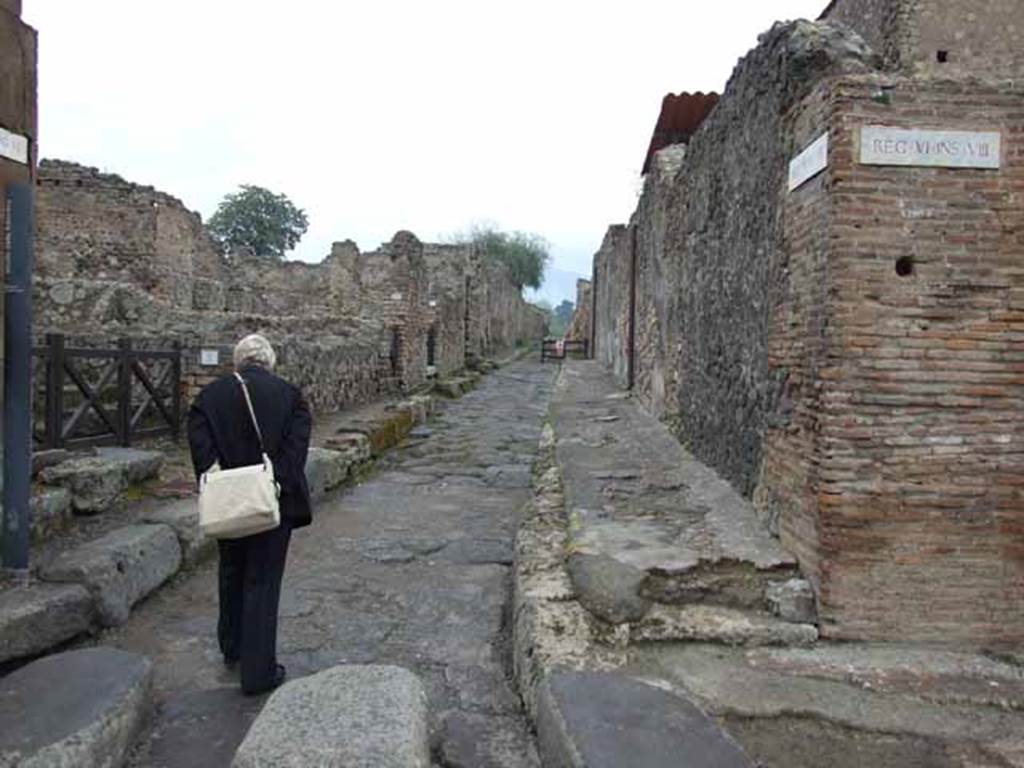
602 720
36 617
846 706
372 716
96 481
119 569
182 516
81 708
717 624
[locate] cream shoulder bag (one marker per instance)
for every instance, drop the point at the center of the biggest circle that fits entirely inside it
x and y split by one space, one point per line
242 501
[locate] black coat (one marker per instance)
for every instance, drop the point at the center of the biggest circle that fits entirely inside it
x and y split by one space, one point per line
220 430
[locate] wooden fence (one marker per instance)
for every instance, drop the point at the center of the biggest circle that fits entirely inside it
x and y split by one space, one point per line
95 396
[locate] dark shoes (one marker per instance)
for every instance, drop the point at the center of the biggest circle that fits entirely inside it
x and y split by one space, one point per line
278 678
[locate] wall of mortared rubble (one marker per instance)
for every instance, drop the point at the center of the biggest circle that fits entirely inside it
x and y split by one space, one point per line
983 38
581 324
115 258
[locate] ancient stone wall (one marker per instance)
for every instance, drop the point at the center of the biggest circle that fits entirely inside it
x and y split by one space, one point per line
611 280
117 258
941 38
845 352
581 325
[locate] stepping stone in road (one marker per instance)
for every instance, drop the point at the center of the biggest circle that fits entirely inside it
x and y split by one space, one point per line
81 708
601 720
371 716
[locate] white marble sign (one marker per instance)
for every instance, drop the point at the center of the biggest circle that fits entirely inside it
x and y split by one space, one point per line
14 147
209 357
883 145
809 163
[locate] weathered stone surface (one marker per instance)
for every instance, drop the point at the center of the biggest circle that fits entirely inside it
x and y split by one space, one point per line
326 469
120 568
712 623
50 510
608 588
347 716
183 517
137 465
94 483
600 720
37 617
48 458
473 740
81 708
792 600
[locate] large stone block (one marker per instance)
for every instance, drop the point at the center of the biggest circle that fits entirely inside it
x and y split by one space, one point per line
50 510
37 617
608 588
183 518
326 469
82 708
96 481
120 568
351 716
600 720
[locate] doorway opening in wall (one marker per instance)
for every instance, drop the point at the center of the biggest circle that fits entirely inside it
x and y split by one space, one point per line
395 350
431 347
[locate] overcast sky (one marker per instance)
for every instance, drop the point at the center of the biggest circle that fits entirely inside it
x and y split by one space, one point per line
382 115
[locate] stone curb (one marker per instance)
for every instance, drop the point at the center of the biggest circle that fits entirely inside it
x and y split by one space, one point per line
36 617
119 569
372 716
81 708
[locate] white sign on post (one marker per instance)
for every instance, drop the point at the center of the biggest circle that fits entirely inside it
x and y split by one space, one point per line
14 147
209 357
809 163
883 145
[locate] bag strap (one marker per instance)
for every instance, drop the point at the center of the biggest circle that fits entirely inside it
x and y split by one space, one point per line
252 413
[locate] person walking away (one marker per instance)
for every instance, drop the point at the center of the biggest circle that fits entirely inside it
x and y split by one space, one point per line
220 430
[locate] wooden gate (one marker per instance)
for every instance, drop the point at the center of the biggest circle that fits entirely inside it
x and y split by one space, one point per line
106 396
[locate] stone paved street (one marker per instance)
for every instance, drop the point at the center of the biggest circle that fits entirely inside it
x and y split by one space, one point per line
410 567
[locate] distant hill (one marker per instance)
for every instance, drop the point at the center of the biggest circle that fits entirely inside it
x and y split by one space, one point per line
559 284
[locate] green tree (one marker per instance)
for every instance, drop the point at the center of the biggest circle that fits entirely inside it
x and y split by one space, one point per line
524 253
256 218
564 312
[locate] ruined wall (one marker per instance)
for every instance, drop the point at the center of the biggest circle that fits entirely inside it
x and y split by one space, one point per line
449 270
921 449
723 248
657 343
983 38
611 279
849 351
581 324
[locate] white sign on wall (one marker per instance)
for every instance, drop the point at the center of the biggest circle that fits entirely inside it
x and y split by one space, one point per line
209 357
882 145
809 163
14 147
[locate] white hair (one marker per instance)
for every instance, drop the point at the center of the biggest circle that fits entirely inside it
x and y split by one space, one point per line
254 349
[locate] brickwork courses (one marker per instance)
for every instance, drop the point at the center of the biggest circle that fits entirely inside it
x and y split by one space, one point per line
846 353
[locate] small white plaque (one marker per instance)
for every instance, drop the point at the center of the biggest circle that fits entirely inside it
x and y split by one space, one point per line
396 296
14 147
882 145
809 163
209 357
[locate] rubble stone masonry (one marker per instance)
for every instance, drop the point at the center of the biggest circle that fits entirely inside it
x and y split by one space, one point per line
116 258
850 353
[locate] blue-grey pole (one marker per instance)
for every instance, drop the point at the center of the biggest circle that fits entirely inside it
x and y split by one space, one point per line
17 379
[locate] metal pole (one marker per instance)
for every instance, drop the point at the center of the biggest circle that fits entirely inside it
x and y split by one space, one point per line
17 380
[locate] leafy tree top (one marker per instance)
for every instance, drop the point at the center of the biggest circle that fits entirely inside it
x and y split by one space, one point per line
256 218
524 253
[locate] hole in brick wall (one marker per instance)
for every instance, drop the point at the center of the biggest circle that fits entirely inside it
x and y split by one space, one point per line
942 56
905 266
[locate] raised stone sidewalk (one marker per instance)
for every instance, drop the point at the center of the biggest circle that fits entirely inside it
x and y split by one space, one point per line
635 562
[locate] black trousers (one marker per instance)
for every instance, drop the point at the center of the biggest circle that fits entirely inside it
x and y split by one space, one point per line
250 590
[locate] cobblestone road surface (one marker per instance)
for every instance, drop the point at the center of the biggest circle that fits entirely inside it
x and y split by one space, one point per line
411 567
